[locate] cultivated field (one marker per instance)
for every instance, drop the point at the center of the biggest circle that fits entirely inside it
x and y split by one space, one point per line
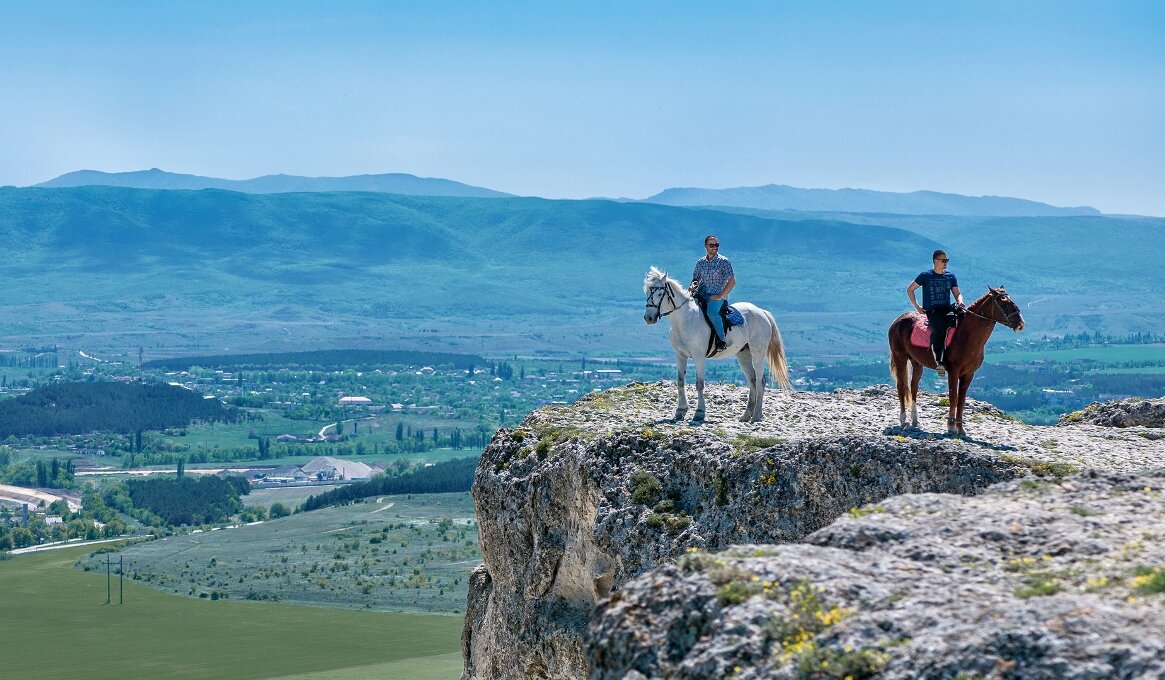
55 617
396 553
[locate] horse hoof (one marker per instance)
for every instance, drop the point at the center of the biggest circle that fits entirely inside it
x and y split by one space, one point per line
699 415
745 418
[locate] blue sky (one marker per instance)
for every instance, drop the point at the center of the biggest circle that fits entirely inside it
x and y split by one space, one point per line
1062 102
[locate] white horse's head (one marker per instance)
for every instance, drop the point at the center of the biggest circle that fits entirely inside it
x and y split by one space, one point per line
657 288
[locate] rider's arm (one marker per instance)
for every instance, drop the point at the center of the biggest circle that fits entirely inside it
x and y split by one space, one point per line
958 295
910 295
727 288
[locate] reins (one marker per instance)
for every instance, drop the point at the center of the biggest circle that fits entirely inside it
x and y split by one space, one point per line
1006 316
666 287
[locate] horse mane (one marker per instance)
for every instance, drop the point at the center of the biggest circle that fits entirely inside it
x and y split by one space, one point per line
657 277
986 296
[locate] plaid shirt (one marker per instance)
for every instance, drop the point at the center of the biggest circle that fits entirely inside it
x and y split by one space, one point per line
712 274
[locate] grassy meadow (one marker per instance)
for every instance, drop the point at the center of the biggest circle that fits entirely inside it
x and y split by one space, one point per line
393 553
55 625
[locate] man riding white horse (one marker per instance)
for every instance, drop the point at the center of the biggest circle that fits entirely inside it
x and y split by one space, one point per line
712 280
755 343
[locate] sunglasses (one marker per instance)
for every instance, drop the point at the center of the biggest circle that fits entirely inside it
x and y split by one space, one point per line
943 259
713 245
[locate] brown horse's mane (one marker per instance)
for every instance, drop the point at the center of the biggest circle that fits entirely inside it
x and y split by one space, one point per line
986 296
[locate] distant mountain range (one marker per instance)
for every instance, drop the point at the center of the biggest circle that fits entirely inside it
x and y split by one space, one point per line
780 197
770 197
229 271
391 183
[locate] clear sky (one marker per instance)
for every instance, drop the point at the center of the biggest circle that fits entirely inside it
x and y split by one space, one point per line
1056 101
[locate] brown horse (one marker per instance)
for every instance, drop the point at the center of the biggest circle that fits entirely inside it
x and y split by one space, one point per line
964 356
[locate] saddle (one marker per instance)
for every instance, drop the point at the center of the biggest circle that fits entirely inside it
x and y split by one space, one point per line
920 332
728 314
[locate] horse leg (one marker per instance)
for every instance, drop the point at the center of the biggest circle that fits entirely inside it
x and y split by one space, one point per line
953 398
915 378
681 373
758 384
744 358
699 415
964 385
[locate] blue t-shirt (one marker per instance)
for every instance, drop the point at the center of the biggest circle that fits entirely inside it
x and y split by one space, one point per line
936 288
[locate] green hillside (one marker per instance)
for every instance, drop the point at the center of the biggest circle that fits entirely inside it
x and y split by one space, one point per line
78 408
211 271
56 617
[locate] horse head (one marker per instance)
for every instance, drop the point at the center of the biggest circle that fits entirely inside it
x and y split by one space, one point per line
1004 310
657 289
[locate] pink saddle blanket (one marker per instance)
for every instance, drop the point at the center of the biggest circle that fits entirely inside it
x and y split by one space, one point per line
920 334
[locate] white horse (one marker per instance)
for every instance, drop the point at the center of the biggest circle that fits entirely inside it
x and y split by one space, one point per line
751 343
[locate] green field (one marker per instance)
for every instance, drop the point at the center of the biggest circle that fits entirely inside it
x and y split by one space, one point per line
55 625
1104 353
394 553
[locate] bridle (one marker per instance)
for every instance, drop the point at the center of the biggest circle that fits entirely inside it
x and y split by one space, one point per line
665 291
1006 316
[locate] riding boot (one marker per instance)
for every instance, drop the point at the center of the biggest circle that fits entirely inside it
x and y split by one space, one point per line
720 345
940 368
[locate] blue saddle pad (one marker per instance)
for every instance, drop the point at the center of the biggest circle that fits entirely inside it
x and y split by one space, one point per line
734 317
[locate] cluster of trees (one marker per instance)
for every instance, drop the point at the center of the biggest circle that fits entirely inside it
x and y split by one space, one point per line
52 475
452 438
30 358
77 408
359 359
446 477
94 520
189 501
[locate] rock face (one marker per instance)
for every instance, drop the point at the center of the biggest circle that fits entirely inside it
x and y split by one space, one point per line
1030 580
580 500
1125 413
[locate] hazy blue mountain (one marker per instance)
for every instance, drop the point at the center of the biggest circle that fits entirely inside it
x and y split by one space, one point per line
392 183
781 197
227 271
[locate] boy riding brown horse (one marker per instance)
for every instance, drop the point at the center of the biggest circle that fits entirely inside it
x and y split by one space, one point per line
962 358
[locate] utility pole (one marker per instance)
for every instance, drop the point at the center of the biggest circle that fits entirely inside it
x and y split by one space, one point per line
108 580
121 579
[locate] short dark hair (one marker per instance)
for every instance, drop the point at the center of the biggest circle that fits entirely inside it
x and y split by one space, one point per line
938 254
708 237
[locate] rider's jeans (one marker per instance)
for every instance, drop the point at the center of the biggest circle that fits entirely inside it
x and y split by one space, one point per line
714 307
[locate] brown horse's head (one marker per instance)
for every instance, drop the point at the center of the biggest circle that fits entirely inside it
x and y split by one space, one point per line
1002 309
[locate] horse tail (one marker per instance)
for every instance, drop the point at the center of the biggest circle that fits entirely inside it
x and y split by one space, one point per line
900 372
778 367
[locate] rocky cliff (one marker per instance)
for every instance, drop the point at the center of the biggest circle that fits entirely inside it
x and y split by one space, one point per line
580 500
1029 580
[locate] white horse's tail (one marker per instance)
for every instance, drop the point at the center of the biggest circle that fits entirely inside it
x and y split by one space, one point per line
778 367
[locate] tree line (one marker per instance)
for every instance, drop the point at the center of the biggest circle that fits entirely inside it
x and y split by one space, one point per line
359 359
186 500
449 476
81 407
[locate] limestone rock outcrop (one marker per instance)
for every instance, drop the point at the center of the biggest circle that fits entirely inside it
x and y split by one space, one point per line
1144 413
580 500
1033 579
